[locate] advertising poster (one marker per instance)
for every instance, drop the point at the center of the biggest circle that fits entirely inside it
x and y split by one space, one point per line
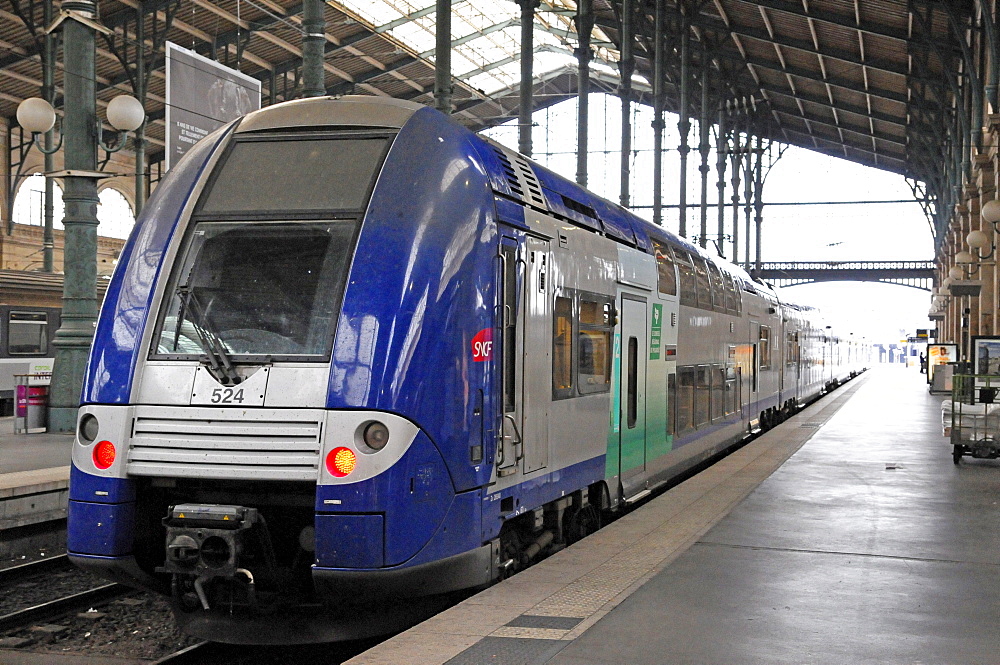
202 95
939 354
987 355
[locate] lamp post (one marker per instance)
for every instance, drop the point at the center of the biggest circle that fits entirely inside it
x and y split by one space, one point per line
81 133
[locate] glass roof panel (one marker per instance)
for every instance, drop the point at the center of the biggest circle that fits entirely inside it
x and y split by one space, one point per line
486 36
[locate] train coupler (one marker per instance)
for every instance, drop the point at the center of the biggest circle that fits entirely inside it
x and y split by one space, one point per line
209 542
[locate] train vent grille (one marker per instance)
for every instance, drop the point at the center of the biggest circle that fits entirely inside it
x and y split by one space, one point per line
521 178
531 184
508 171
244 449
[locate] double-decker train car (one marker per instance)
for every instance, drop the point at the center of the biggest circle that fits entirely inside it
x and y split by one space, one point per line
354 357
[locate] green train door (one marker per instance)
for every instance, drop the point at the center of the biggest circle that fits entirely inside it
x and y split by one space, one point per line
632 395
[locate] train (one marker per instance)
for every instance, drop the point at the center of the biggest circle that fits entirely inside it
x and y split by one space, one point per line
30 314
355 359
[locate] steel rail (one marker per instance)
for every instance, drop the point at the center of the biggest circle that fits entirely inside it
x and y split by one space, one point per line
24 570
194 654
61 606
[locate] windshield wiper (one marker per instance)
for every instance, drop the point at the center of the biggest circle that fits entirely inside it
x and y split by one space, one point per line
219 362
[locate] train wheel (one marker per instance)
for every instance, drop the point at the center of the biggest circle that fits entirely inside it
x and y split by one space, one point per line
582 523
956 454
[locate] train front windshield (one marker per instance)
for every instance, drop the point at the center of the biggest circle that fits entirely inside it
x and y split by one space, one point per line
262 268
259 288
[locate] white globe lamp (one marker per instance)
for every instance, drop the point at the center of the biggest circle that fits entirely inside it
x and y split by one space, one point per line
36 115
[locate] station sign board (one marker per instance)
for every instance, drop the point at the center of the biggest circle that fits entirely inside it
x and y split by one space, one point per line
202 95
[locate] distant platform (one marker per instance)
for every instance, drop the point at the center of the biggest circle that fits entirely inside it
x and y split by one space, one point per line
34 476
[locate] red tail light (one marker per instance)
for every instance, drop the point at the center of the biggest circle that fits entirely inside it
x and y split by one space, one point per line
104 454
341 462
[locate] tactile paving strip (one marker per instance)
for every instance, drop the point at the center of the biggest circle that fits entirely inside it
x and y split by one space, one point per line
535 621
508 651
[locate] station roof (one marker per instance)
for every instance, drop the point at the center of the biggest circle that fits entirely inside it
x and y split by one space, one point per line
873 81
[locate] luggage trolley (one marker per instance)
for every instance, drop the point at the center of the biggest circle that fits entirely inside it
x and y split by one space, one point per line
971 419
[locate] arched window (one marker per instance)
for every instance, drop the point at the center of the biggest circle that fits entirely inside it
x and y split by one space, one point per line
115 215
29 204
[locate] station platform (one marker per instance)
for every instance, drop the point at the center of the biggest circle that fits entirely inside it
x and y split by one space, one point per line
846 535
34 476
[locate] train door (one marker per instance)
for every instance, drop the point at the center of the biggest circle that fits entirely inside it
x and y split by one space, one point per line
536 355
632 391
779 359
753 380
509 445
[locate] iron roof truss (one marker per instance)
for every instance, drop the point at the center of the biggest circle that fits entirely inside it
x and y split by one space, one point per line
887 83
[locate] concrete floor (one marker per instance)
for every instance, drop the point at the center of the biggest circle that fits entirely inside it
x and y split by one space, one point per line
27 452
868 546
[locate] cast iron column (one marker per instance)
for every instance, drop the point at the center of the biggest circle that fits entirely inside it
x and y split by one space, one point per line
720 167
747 195
313 48
704 149
79 308
49 94
626 66
141 84
737 162
758 200
584 25
526 105
442 57
658 114
684 125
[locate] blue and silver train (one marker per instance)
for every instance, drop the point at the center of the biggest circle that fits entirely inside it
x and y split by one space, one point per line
355 357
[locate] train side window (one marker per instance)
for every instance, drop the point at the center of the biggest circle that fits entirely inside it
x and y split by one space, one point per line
666 281
792 349
633 382
684 402
562 348
732 390
688 286
702 395
594 353
738 297
509 326
732 295
765 347
718 391
704 286
718 290
27 333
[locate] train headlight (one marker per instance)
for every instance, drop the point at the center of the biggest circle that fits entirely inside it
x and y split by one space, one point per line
376 435
341 462
104 454
89 428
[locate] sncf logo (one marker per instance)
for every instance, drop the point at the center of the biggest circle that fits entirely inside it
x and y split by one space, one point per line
482 345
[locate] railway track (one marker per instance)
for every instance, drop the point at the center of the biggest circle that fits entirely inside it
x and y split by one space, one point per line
53 609
51 564
40 612
192 655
